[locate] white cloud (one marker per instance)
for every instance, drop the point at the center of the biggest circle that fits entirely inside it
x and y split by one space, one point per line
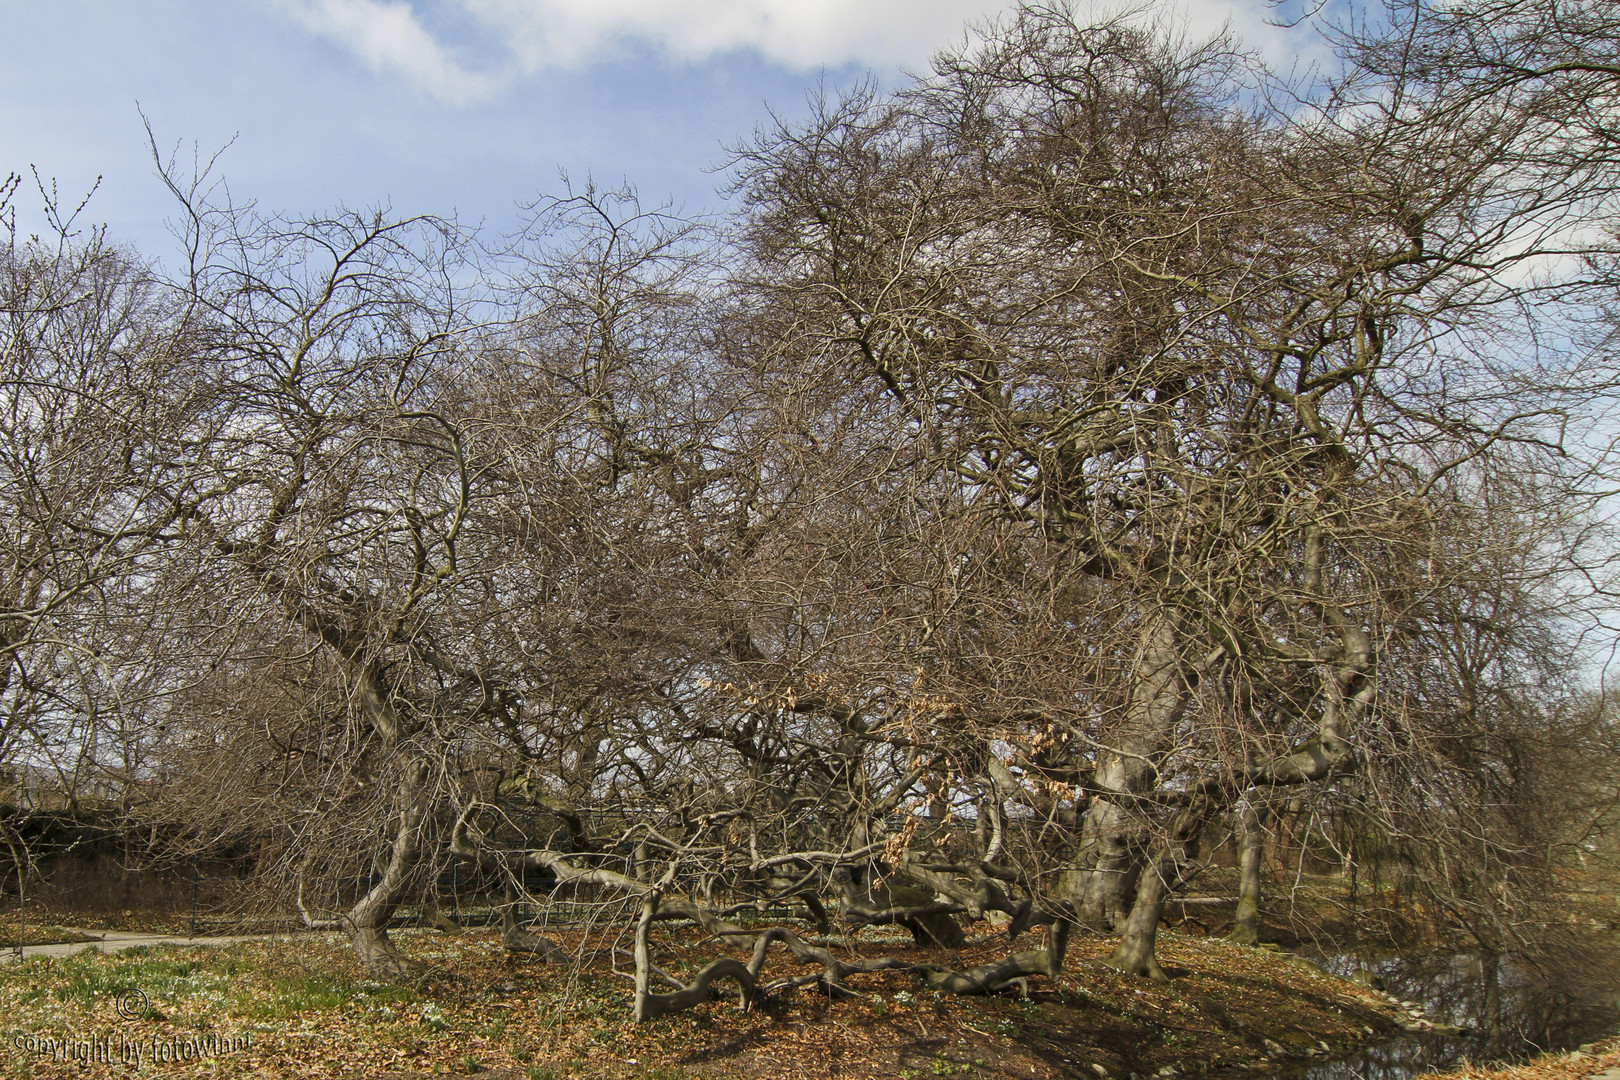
511 38
388 36
518 37
795 33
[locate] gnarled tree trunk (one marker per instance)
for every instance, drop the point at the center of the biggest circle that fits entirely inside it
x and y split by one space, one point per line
1251 845
1101 885
367 921
1138 939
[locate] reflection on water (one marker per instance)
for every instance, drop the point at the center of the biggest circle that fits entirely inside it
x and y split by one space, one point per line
1507 1013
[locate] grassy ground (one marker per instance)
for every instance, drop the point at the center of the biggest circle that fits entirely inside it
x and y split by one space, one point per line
302 1008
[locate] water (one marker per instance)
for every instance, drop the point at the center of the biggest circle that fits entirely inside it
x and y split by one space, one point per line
1506 1012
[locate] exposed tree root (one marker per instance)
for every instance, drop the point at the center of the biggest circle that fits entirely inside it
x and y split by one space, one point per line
987 977
1145 966
833 969
651 1006
381 959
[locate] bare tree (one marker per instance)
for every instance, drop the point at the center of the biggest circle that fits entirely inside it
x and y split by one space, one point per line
1248 366
89 459
1070 450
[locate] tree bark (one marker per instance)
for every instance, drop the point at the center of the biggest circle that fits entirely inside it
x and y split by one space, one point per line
1136 953
367 922
1138 940
651 1006
1112 838
1491 1011
930 921
1251 845
644 1009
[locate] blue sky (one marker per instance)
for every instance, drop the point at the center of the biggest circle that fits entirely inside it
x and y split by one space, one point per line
445 106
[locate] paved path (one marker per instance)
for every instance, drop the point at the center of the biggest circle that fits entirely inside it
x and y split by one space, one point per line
111 941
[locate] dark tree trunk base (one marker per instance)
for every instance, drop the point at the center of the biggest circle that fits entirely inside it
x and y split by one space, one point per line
380 957
1133 962
526 942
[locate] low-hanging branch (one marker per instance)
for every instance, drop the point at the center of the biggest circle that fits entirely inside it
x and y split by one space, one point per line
988 977
983 979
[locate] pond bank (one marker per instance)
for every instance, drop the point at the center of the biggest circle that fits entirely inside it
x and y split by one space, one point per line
1472 1009
1601 1060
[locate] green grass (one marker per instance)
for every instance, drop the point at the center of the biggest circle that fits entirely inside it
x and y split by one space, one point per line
220 979
87 978
293 995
